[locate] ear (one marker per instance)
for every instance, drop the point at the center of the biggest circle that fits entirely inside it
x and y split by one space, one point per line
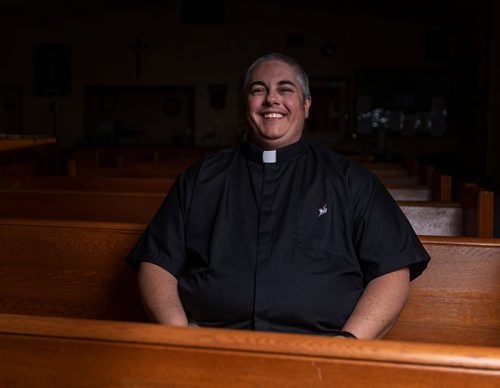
307 105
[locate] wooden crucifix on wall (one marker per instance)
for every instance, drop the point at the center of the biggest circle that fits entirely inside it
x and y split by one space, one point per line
138 46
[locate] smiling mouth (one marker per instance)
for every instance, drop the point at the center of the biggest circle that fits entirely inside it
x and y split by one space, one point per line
273 115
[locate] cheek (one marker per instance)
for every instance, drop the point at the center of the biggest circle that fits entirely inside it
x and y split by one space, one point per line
253 104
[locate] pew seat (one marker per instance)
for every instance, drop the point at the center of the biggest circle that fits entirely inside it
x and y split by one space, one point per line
55 352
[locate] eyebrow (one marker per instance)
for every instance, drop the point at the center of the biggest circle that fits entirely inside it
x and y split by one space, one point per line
286 82
280 83
260 83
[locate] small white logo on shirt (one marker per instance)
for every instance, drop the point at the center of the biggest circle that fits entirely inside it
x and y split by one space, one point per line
323 210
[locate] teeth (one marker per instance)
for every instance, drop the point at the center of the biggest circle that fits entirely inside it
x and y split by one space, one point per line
273 115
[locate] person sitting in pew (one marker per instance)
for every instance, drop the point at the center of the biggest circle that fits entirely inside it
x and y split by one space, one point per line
278 234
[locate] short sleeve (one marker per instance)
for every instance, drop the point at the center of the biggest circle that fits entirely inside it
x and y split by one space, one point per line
163 241
383 237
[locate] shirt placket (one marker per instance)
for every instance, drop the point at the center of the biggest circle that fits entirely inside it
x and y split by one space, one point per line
263 277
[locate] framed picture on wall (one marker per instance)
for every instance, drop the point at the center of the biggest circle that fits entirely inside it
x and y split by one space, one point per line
52 69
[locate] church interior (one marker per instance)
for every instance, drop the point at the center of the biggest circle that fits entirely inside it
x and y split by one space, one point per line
104 102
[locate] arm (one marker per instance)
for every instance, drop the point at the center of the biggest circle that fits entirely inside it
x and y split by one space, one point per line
160 297
380 305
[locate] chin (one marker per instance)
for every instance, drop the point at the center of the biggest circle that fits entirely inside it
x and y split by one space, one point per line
274 134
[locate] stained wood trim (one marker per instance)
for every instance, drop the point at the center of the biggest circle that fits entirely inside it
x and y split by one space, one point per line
277 344
460 240
77 224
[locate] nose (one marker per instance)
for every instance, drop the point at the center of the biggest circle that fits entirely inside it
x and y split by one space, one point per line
272 97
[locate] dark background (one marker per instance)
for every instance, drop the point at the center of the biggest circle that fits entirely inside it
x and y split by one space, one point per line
394 79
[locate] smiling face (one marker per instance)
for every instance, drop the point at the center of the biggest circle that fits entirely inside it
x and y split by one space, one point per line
276 107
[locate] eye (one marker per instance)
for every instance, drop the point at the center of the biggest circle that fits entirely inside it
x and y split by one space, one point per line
257 91
285 90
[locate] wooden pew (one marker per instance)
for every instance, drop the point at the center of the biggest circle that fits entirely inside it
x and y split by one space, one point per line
410 192
80 205
78 270
427 218
413 182
139 171
145 170
23 156
412 188
457 297
55 352
135 161
401 184
120 156
64 183
159 185
391 173
71 269
435 218
13 170
24 142
473 216
441 187
478 210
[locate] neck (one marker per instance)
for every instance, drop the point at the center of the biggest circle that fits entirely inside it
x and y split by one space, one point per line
269 145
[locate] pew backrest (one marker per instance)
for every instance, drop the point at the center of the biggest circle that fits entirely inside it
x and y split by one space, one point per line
9 171
80 205
457 298
434 218
90 183
78 270
427 218
410 192
143 170
471 217
72 269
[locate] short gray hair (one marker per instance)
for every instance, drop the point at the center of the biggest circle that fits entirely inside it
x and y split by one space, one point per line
301 73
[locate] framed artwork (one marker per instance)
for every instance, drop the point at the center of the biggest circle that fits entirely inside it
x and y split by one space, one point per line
52 69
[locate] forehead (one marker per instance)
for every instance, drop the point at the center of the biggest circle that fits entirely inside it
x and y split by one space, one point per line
274 71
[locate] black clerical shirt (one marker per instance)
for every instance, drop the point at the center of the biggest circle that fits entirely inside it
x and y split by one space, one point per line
284 246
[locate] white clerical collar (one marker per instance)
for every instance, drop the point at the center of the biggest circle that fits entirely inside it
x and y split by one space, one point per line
269 156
